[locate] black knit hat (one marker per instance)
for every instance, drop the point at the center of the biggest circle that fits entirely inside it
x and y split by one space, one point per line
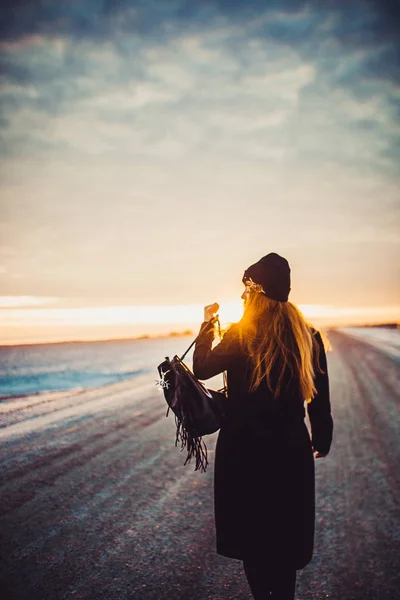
272 272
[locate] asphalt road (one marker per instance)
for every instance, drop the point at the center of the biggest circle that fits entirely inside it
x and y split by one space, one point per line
96 504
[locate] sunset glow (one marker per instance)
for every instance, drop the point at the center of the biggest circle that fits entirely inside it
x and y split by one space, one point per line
164 315
149 156
36 323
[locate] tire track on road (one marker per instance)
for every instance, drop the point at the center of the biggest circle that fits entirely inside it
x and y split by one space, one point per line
93 523
46 434
76 455
381 416
357 545
60 404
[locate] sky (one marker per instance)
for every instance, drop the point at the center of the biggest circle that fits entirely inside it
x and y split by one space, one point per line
151 151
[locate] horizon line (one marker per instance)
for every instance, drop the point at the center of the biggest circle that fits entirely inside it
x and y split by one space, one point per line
185 333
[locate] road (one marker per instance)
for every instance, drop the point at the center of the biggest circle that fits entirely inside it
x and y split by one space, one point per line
96 503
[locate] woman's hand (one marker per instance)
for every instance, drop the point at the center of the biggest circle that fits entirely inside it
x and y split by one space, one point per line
210 310
319 455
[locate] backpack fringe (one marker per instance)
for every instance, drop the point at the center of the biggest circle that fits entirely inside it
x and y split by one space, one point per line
195 446
186 431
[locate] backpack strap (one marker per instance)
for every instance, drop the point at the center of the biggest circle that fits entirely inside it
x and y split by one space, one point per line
215 320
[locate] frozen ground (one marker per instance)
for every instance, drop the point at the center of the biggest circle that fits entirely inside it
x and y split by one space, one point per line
388 340
96 503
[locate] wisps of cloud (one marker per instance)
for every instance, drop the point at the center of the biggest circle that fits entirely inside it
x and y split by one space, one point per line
163 79
24 302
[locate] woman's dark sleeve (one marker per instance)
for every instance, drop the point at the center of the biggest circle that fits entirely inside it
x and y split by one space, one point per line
319 409
208 362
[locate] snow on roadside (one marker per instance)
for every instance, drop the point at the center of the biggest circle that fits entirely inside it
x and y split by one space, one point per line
48 410
386 339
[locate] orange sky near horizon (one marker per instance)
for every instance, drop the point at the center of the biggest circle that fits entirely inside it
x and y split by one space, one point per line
28 321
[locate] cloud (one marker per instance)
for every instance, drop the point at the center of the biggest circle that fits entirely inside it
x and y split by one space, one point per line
243 90
23 302
123 123
291 22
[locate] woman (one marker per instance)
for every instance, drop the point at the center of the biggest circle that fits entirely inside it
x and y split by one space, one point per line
264 462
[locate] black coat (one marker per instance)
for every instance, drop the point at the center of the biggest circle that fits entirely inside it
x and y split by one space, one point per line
264 488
